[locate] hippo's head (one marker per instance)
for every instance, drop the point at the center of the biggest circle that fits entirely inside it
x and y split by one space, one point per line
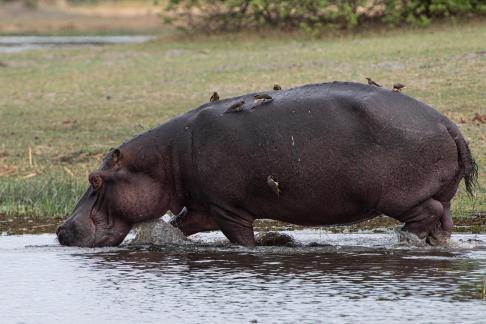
122 192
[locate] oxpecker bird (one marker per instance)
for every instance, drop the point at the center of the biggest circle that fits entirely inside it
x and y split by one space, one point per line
273 185
397 87
373 83
263 96
236 107
276 87
261 99
214 97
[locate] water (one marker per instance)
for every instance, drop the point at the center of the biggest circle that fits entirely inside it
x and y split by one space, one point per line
345 278
14 44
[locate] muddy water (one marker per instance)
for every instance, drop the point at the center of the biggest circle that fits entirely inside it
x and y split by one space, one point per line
332 278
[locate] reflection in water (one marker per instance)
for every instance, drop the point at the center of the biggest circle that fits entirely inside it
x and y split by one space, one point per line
209 283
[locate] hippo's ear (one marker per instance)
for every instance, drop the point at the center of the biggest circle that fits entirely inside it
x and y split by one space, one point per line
115 156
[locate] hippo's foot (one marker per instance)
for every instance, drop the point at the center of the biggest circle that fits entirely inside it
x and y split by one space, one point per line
275 239
429 221
439 236
433 239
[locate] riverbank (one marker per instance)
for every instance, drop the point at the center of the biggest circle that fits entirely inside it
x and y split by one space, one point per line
40 225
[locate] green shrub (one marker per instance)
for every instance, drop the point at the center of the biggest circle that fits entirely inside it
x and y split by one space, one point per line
309 15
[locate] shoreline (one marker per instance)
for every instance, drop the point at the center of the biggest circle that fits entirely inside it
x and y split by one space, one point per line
474 224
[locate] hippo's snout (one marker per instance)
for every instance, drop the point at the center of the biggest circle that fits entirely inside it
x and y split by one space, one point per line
66 234
62 236
72 233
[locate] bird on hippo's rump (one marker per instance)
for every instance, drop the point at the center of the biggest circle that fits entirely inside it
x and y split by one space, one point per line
320 154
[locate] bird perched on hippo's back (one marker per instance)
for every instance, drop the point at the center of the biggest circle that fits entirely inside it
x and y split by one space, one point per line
263 96
373 83
397 87
261 99
236 107
214 97
273 184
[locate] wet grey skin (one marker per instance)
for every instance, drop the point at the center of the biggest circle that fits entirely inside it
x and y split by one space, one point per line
346 152
373 83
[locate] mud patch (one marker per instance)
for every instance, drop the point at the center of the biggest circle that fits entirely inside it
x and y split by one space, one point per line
28 225
378 224
476 223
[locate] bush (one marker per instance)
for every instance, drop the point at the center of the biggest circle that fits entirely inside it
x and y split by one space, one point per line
234 15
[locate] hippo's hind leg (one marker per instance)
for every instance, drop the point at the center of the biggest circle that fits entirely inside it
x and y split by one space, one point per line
236 226
441 234
424 220
443 229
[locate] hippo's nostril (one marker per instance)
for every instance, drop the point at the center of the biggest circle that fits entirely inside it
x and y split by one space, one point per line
62 237
59 229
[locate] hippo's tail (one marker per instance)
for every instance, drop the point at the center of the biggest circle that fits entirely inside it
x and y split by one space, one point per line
466 160
470 167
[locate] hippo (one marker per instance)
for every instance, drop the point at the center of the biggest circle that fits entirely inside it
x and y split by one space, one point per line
315 155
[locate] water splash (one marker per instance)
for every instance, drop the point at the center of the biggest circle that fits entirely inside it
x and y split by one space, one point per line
157 232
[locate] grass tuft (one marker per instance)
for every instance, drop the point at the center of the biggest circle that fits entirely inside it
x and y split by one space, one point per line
46 196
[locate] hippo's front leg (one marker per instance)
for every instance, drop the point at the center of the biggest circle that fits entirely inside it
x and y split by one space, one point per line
191 221
236 226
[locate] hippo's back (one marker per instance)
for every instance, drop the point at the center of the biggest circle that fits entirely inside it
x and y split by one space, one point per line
335 146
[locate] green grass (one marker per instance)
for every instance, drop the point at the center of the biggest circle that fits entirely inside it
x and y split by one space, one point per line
51 195
55 101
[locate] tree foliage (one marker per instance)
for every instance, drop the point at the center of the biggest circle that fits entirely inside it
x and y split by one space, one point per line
232 15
